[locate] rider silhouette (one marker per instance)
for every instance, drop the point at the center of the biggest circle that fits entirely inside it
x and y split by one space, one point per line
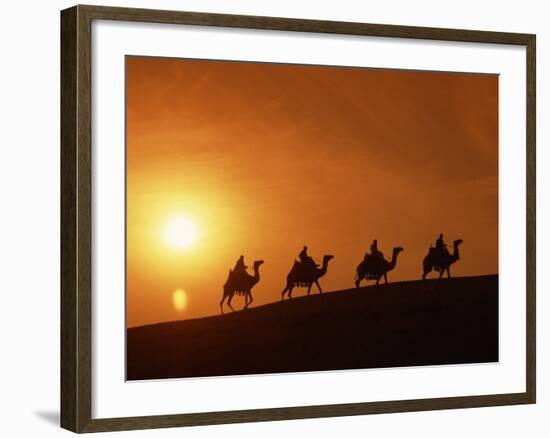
303 254
375 252
440 245
240 267
305 259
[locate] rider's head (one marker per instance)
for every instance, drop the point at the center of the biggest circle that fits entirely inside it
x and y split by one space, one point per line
441 235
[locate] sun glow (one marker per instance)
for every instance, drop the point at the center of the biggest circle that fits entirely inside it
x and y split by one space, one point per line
179 298
180 232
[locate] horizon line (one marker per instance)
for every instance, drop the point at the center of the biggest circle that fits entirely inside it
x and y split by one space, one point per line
311 295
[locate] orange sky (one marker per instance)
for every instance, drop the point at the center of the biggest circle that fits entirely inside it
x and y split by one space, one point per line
265 158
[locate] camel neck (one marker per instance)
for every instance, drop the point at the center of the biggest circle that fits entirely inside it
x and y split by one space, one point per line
394 258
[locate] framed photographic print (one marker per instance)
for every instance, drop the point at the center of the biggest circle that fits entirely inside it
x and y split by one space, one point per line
256 209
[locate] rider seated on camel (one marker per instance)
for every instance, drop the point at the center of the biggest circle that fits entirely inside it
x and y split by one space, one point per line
306 259
240 268
375 252
441 246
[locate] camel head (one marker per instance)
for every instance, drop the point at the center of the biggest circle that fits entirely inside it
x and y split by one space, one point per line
327 258
258 263
393 260
457 243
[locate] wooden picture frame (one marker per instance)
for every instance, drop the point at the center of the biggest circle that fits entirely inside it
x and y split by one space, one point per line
76 218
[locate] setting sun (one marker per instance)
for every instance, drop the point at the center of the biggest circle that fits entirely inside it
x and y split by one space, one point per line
180 232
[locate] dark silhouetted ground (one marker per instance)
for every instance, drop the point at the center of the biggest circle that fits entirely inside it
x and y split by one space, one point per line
400 324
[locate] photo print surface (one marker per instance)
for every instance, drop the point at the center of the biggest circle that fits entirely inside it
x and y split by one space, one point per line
296 218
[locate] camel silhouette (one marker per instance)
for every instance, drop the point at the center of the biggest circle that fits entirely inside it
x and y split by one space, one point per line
441 261
305 275
240 284
373 268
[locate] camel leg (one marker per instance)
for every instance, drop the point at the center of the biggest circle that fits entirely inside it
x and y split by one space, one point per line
318 286
449 272
378 280
441 273
290 288
224 296
309 288
248 299
283 293
427 269
386 277
357 282
229 302
426 274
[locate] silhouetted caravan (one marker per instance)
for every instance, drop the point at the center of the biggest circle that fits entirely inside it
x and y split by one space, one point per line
440 259
374 266
305 273
240 282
